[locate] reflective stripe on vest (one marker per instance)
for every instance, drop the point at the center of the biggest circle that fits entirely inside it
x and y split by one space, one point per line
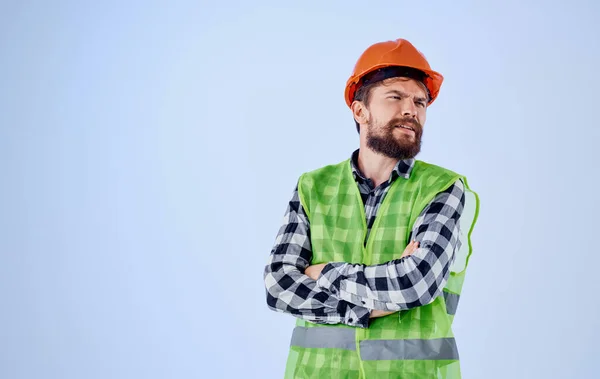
345 338
337 338
451 302
434 349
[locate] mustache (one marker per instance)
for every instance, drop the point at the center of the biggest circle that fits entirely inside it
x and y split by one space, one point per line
405 121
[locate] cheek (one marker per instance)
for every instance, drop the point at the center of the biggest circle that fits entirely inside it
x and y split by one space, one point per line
384 114
422 117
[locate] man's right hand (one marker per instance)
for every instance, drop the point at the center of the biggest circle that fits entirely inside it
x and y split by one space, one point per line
410 249
377 313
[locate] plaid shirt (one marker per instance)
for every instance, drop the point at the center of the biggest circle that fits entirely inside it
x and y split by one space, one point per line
346 293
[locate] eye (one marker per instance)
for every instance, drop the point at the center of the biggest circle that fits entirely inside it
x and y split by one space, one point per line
396 97
421 103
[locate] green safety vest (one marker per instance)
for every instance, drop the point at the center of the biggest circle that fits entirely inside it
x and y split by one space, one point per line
410 344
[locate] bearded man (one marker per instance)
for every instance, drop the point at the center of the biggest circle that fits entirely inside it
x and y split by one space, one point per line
373 251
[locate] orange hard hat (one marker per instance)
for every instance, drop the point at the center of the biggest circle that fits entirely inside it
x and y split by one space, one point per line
398 53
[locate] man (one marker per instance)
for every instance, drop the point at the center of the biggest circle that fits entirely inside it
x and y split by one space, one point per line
373 251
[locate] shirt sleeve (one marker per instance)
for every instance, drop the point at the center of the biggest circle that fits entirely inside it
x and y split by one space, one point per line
289 290
414 280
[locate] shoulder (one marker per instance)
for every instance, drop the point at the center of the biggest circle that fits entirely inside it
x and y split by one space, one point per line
324 174
422 167
433 176
321 183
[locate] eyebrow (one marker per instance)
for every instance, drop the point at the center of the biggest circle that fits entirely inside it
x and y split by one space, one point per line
404 94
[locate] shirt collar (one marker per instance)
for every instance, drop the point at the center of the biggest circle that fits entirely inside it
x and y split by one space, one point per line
402 169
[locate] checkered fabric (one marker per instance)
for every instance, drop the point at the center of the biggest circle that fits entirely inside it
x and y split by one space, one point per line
376 278
290 291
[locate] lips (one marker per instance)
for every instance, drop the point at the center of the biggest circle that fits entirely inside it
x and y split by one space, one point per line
406 127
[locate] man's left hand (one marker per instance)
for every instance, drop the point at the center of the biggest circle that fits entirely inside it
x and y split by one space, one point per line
314 271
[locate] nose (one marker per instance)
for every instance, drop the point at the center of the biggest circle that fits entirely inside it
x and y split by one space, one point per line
409 108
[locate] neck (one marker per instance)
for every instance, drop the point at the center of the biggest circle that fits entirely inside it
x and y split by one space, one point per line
375 166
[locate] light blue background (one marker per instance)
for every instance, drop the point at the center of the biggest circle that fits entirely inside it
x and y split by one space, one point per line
148 150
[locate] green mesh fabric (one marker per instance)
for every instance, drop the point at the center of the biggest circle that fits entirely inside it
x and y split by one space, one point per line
335 210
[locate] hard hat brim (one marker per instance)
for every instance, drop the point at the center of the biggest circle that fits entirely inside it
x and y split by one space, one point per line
433 81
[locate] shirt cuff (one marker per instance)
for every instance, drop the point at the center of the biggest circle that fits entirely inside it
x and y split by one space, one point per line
331 277
357 316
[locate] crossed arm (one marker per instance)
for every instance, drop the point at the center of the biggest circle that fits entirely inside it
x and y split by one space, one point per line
340 292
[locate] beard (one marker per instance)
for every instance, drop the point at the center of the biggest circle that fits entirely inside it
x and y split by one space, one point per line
382 140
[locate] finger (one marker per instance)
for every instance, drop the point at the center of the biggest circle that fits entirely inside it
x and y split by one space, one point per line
412 247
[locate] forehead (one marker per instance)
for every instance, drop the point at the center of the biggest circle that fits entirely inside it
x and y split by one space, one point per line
406 85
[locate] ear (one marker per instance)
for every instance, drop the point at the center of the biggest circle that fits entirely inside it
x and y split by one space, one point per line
360 112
